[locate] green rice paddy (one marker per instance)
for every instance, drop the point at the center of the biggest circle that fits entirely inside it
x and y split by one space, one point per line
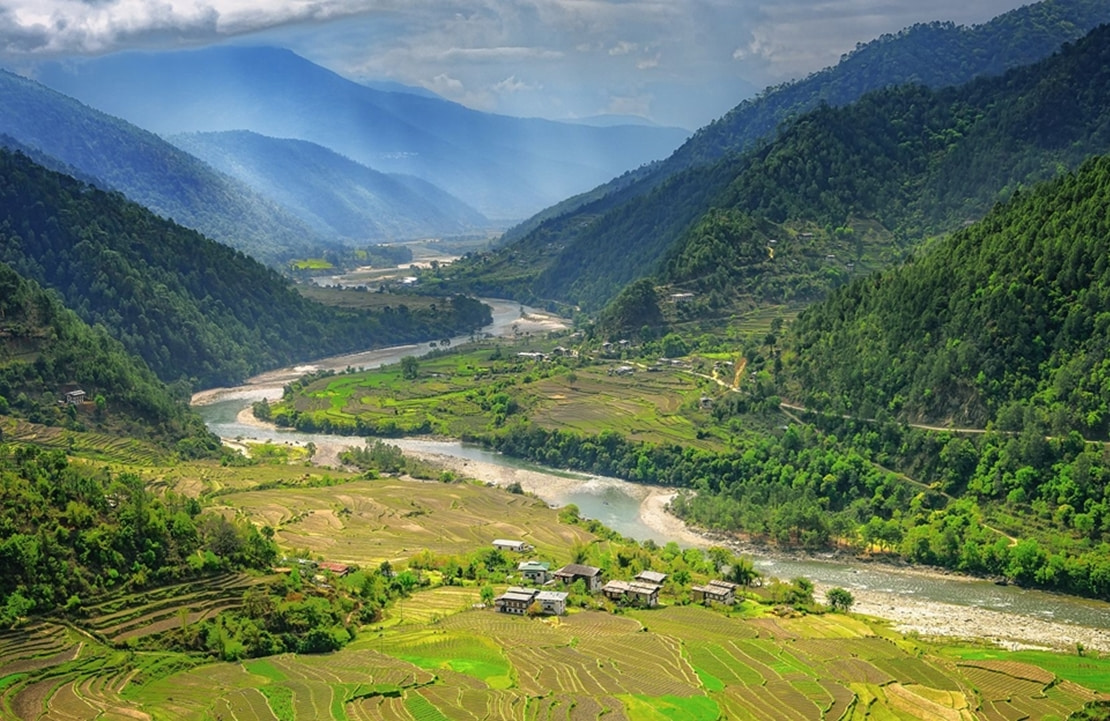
440 655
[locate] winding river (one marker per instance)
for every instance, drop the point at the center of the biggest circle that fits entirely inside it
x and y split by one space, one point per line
618 503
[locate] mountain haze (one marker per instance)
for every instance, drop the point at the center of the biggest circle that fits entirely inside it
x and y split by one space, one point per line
119 156
195 310
336 197
504 167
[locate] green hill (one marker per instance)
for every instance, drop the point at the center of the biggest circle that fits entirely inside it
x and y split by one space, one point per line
1007 322
47 351
193 309
823 167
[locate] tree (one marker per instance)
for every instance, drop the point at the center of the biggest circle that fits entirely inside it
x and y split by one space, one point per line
742 571
410 367
839 599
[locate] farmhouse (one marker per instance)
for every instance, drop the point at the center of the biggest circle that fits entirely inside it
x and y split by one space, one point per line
572 572
508 545
651 577
339 569
535 571
515 600
75 398
553 602
622 371
635 593
716 592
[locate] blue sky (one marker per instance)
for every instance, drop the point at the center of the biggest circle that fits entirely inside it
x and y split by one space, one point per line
677 62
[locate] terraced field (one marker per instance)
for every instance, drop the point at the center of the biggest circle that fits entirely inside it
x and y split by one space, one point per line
678 662
438 656
457 394
367 522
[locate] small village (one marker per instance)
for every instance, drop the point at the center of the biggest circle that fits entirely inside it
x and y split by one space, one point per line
642 591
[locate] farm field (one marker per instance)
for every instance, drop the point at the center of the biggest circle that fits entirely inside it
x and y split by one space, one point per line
475 391
680 662
440 653
367 522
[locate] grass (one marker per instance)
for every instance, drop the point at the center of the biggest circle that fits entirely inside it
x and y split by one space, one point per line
311 264
468 393
1090 671
671 708
450 660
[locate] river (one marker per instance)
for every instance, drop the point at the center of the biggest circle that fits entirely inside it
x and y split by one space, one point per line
905 594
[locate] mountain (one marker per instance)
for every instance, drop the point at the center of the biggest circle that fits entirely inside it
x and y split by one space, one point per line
195 310
638 204
862 183
505 167
46 351
334 196
119 156
1004 323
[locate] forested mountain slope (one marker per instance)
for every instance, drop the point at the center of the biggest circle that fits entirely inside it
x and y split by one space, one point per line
70 532
653 206
335 196
119 156
889 170
934 54
193 309
46 351
1005 323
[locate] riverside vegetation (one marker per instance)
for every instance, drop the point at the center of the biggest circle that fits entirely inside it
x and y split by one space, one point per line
999 328
403 637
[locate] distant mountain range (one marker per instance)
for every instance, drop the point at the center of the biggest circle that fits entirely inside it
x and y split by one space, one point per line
333 195
73 138
504 167
585 249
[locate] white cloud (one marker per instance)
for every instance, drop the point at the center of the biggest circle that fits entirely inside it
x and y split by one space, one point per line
630 105
623 48
512 84
447 85
689 55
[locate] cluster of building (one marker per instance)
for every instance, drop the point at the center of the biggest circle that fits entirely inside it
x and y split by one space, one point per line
642 591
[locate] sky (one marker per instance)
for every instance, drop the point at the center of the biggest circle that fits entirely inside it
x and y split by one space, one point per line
674 62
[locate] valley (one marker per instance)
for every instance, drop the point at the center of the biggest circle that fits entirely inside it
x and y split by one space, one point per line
411 363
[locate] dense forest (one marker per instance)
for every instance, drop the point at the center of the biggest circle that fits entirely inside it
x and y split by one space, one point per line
1003 324
196 311
45 349
71 532
896 166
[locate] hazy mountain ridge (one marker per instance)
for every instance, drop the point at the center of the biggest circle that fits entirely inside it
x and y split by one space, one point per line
505 167
335 196
150 171
912 160
195 310
935 54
